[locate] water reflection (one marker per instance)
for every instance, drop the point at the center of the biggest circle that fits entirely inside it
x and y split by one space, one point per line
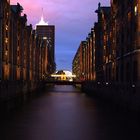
63 113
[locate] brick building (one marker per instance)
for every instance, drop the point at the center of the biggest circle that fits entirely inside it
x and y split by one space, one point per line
84 61
103 48
4 39
78 64
126 15
24 57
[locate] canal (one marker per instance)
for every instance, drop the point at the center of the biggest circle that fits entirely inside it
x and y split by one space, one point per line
64 113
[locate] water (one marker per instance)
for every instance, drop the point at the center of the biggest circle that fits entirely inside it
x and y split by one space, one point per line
64 113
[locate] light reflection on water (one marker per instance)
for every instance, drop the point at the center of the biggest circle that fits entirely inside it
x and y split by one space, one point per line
64 113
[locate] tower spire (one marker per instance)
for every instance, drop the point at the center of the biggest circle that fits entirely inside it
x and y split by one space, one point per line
42 16
42 22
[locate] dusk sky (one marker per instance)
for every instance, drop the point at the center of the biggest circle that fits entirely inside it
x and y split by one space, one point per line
73 20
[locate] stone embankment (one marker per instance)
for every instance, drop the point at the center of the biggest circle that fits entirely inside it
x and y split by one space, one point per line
13 94
126 96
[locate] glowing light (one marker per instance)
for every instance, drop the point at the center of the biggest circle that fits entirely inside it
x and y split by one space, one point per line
107 83
135 9
59 75
6 52
42 22
45 38
133 86
6 40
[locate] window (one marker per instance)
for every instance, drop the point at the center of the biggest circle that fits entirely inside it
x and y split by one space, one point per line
136 10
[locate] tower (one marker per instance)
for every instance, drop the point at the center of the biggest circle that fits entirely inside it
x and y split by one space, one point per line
47 33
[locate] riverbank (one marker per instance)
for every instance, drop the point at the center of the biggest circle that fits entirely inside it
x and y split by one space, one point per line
125 96
14 94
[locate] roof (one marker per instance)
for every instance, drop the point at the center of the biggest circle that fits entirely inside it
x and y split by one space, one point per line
17 8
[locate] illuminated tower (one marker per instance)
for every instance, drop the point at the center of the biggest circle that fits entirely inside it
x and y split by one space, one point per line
47 33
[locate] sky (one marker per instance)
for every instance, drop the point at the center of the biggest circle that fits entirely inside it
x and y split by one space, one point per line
73 20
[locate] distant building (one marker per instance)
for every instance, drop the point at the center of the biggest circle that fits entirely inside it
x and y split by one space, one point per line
47 33
63 75
77 64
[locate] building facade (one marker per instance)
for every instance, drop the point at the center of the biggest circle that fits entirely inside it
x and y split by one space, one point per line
4 39
47 33
112 51
126 14
23 49
116 52
103 48
79 62
26 55
84 61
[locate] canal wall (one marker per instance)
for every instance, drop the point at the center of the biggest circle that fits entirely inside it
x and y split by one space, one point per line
125 96
14 94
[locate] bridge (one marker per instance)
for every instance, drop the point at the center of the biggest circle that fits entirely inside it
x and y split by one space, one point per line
62 77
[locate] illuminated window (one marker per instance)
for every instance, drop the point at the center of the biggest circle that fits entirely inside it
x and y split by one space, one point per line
7 14
6 52
44 38
6 40
106 59
6 28
136 9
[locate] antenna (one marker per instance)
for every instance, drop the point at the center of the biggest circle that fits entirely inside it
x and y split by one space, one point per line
42 13
42 22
